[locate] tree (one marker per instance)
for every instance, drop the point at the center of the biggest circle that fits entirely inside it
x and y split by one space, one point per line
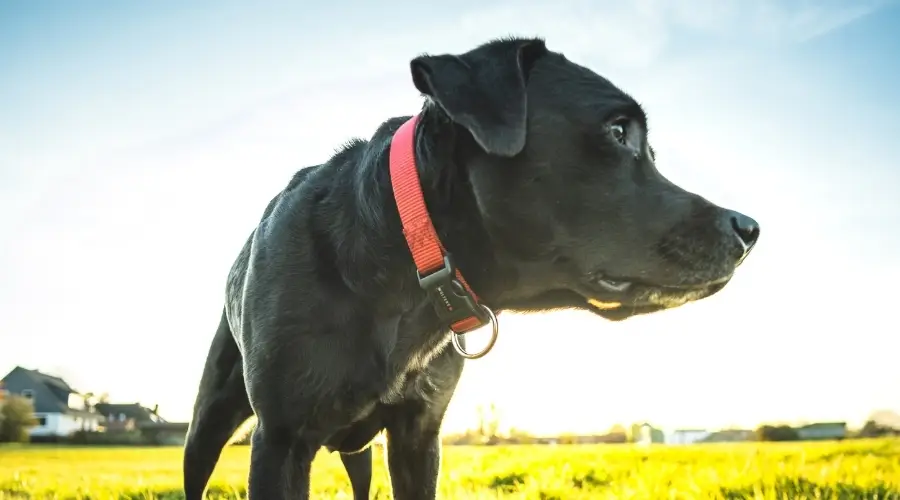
16 418
777 433
881 423
92 399
488 423
618 429
886 419
88 400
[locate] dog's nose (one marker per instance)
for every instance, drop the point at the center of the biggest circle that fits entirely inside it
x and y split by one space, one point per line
745 228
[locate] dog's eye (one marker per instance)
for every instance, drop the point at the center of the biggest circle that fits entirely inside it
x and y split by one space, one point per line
618 132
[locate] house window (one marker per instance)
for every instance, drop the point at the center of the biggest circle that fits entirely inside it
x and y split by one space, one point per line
41 421
121 417
28 394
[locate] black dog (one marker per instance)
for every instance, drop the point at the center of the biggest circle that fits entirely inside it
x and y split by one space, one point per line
542 186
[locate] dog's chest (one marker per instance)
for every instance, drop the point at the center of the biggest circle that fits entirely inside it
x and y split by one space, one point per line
412 381
406 386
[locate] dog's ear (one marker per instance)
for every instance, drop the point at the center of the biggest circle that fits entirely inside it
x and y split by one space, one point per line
483 90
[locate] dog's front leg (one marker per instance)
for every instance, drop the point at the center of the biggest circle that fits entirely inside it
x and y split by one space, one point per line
279 466
359 469
414 452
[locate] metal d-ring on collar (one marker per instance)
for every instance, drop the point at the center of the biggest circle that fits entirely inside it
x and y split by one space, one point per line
495 331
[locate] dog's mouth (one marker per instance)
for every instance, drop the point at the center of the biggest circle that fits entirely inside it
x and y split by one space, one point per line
620 298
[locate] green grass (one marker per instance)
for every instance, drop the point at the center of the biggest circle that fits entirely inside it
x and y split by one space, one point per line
868 469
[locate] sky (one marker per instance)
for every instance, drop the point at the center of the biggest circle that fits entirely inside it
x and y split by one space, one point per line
140 142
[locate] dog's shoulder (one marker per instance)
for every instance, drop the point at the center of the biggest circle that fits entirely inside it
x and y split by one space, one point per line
240 265
313 227
295 183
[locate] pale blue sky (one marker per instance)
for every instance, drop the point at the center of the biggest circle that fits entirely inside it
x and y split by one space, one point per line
139 143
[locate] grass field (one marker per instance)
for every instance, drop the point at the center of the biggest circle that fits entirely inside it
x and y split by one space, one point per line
847 470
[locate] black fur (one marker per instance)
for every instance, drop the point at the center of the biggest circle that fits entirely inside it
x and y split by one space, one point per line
541 182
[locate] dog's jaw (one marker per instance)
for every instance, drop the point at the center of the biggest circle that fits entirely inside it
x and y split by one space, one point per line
603 306
645 299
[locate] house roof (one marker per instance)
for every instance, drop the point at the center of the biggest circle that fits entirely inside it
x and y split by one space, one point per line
52 381
819 425
131 410
52 392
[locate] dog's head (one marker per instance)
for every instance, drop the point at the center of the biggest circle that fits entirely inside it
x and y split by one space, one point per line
566 185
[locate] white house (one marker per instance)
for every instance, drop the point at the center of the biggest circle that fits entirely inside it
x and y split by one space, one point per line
686 436
59 409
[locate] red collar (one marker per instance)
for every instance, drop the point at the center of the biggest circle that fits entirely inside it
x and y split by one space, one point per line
455 303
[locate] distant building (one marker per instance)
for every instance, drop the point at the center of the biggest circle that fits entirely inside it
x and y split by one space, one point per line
730 436
61 411
58 409
686 436
645 434
126 416
822 430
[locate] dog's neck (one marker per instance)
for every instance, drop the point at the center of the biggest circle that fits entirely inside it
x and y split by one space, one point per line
381 262
442 148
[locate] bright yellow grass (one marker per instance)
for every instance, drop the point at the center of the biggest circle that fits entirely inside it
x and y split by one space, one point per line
849 470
